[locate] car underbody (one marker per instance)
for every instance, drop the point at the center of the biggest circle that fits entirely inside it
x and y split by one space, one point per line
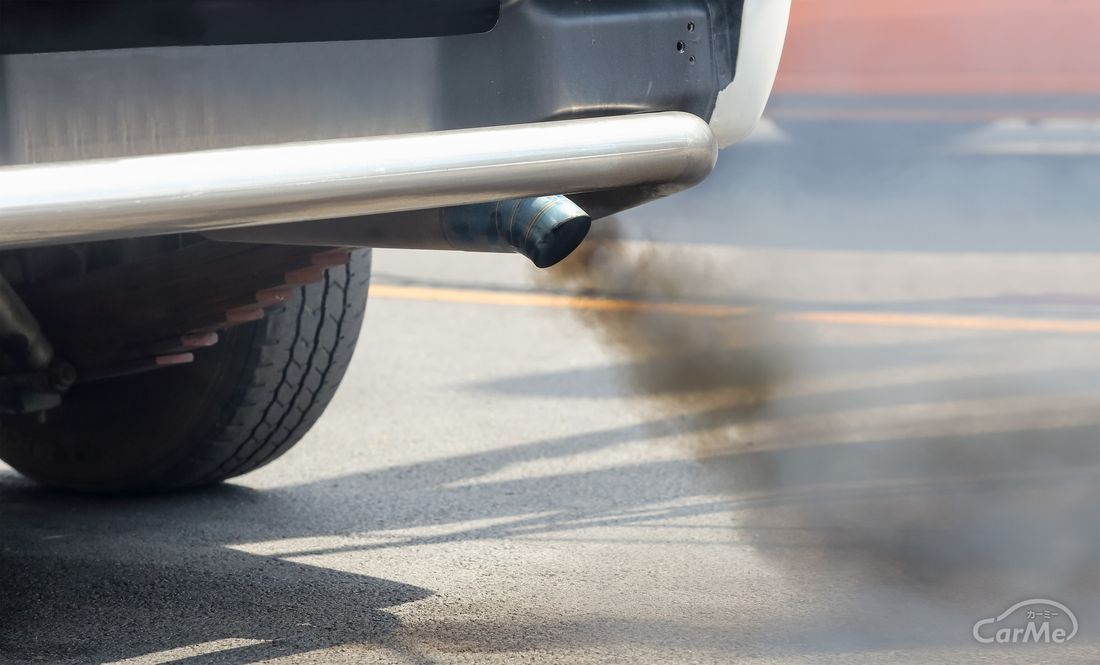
174 170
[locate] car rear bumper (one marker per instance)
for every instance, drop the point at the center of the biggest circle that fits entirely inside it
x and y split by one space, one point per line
543 60
245 187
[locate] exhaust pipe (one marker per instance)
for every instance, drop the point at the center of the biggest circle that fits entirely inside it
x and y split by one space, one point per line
545 229
266 185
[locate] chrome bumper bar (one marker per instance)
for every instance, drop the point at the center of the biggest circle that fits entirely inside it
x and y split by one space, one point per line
241 187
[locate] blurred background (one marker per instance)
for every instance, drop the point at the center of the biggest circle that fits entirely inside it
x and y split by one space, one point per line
936 125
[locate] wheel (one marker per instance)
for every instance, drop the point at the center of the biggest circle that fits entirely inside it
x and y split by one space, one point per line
239 405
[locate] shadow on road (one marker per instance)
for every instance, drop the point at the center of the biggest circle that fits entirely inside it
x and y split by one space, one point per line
933 527
88 579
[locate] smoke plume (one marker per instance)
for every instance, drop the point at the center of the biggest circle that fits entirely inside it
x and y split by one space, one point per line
938 498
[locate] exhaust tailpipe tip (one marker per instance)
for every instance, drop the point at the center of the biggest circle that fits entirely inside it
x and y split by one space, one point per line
545 229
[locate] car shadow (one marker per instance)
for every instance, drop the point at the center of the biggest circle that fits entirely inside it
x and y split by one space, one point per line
89 579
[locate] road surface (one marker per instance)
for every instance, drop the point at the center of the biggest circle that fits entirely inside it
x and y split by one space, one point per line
800 425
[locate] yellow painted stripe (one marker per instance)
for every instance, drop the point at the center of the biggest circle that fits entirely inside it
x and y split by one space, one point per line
887 319
899 320
482 297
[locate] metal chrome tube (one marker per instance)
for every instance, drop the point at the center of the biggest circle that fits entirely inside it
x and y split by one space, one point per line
251 186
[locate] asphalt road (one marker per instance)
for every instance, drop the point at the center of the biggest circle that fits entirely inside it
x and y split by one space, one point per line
728 445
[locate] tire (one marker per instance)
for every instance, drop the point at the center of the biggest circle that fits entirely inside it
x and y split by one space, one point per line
240 404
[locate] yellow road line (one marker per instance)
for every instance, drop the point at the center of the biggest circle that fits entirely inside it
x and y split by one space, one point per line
900 320
886 319
482 297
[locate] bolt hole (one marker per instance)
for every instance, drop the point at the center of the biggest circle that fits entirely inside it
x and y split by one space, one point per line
691 27
680 46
